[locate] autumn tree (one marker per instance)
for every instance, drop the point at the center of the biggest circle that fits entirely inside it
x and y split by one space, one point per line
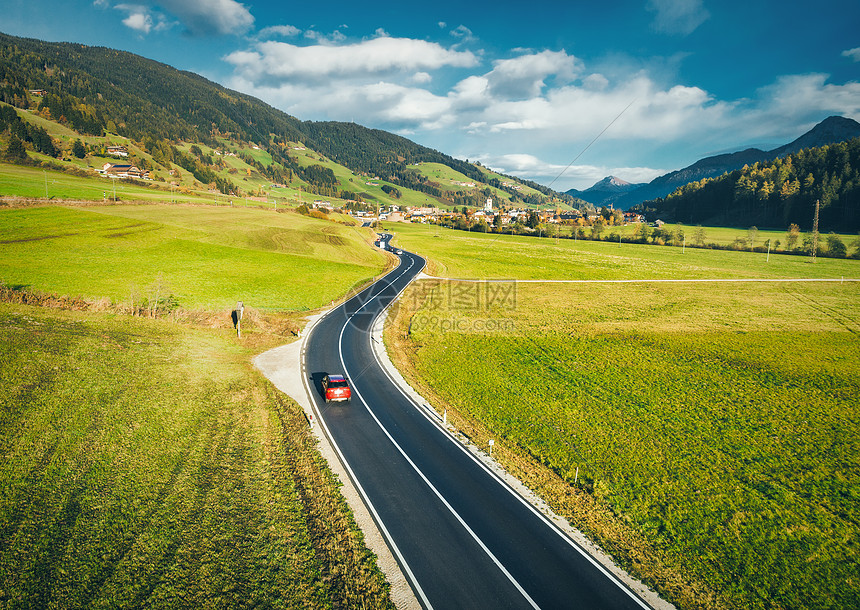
792 236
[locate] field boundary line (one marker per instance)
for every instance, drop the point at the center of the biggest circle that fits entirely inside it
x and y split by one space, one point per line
424 276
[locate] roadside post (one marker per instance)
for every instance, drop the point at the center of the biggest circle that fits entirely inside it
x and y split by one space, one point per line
237 317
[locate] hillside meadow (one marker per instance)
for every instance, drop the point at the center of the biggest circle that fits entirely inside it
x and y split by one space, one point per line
706 434
205 257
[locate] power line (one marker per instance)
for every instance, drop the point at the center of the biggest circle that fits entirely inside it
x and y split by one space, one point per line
590 143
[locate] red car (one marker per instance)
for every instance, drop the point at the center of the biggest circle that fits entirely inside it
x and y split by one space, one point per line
336 388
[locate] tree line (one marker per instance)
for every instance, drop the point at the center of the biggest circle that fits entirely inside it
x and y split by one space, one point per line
774 194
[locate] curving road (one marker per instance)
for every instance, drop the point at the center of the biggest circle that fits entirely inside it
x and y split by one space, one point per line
462 537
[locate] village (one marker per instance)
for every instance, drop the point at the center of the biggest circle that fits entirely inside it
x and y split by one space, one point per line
491 217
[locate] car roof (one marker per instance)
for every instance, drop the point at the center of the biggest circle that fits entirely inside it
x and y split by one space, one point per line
335 377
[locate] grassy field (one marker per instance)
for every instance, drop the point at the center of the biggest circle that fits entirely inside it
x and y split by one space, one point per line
33 182
144 464
460 254
206 257
705 434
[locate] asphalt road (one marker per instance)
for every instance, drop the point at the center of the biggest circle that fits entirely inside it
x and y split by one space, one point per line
462 537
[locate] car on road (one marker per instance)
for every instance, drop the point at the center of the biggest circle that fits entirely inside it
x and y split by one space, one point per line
336 388
399 251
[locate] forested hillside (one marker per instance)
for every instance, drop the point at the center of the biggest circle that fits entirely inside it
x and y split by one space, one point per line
775 194
95 90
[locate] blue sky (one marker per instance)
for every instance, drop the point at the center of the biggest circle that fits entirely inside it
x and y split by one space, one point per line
523 87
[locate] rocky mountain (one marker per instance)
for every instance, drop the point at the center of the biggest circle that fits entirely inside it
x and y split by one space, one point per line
605 192
831 130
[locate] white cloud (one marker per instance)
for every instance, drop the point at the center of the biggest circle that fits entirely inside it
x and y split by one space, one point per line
802 98
461 31
563 177
280 61
524 76
327 39
140 18
206 17
420 78
200 17
141 22
544 106
853 54
284 31
677 16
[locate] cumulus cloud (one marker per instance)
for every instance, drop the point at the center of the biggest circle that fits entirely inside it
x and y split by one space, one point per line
208 17
798 98
140 18
200 17
852 54
283 31
280 61
677 16
545 106
420 78
534 168
524 76
327 39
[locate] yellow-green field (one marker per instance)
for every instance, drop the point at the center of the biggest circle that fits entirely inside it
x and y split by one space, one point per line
145 464
38 183
460 254
206 257
717 423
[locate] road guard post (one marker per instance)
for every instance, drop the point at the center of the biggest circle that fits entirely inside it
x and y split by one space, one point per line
237 317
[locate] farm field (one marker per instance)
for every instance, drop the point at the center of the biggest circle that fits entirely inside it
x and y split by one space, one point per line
145 464
464 255
705 434
205 257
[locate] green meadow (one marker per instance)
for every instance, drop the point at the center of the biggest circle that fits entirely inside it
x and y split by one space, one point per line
715 426
206 257
145 464
37 183
465 255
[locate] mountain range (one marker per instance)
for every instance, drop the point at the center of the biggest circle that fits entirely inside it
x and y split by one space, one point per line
97 90
623 195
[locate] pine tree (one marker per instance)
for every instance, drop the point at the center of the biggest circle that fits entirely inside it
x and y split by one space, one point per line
15 151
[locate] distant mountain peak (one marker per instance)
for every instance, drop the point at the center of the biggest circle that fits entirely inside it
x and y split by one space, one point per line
613 181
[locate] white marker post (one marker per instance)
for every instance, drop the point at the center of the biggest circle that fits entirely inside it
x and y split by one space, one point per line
237 317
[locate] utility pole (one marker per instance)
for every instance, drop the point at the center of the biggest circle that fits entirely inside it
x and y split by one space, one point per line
815 230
